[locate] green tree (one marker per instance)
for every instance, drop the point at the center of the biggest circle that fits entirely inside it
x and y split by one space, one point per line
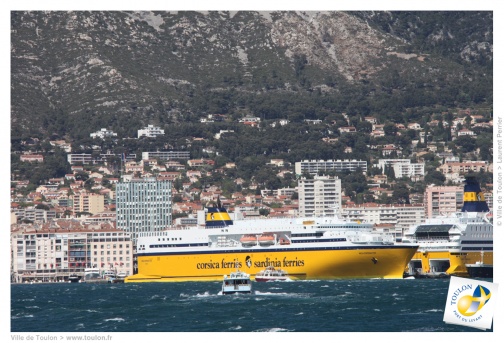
364 127
400 194
465 144
435 177
390 129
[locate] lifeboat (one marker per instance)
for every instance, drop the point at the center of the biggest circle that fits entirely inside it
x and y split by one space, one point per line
248 240
267 239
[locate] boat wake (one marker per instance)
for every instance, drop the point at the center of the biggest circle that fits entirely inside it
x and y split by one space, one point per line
273 330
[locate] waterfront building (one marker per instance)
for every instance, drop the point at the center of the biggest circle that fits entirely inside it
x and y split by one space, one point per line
53 251
313 167
320 196
143 205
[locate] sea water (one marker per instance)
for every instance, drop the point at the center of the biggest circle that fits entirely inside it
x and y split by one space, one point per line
285 306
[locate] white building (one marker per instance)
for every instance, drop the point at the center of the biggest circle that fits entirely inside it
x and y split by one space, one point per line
411 170
402 216
402 167
166 155
218 135
150 131
313 167
320 196
103 133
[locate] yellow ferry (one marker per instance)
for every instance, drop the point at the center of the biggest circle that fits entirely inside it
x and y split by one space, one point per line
448 243
306 248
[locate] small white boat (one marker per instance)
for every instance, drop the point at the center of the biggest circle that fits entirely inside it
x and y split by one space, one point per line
271 274
91 275
109 274
237 282
74 278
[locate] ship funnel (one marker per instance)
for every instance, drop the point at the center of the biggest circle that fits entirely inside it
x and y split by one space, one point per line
474 200
216 217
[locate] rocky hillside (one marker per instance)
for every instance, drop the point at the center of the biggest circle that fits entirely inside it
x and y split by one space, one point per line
75 72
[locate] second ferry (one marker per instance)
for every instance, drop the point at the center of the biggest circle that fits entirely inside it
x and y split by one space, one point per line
306 248
448 243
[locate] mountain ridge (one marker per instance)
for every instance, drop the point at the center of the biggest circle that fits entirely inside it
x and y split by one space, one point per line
74 72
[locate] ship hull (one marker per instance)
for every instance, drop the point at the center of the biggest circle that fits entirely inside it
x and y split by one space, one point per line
480 270
360 262
451 263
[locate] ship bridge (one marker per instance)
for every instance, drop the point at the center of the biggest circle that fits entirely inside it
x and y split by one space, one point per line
433 231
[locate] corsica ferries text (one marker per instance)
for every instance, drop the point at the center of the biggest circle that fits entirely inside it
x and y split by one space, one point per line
258 264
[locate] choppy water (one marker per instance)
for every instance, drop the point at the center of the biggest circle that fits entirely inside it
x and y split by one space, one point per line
296 306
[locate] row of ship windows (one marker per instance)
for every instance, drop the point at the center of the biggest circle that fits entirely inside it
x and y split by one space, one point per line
477 242
482 228
320 240
317 234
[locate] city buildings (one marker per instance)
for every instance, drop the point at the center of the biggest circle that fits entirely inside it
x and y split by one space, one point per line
143 205
53 251
320 196
313 167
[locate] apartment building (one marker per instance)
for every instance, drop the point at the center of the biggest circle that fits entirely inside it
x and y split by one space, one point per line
88 202
464 167
402 167
320 196
401 216
313 167
443 200
80 159
165 155
33 214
